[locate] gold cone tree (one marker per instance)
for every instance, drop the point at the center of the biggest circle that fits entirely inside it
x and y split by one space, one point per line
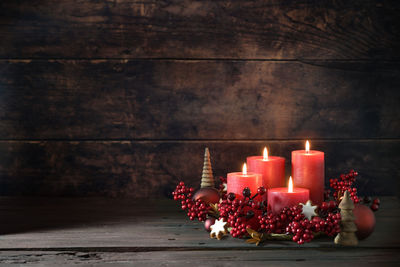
207 178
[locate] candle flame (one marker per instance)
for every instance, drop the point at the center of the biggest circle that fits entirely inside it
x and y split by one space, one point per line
290 185
307 147
265 154
244 170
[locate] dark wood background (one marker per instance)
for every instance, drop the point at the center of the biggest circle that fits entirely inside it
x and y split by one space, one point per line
119 98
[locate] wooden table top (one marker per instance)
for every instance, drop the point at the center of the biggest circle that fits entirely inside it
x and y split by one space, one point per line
87 231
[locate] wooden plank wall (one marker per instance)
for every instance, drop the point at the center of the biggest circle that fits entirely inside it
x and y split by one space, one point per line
119 98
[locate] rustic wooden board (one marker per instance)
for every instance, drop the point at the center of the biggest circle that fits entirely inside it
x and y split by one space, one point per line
282 257
151 168
101 232
103 99
93 224
271 29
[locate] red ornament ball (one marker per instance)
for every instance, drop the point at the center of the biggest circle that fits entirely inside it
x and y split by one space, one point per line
207 194
208 222
364 220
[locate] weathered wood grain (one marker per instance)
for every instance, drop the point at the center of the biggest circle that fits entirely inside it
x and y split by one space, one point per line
135 99
151 168
284 257
268 29
104 232
93 74
115 225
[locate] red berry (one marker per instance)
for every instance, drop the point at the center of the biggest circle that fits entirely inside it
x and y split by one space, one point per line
324 206
231 196
332 205
374 207
367 199
261 190
246 192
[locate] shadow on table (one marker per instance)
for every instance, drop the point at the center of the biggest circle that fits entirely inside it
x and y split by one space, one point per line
32 214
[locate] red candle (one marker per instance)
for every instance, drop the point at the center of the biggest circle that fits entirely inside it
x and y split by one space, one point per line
237 181
272 169
308 171
281 197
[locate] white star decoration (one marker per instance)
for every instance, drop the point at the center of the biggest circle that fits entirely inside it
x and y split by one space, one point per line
225 187
219 229
309 210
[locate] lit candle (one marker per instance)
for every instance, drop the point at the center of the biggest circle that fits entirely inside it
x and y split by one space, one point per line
308 171
237 181
281 197
272 169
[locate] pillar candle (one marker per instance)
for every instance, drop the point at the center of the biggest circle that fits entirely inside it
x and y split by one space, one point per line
281 197
237 181
272 169
308 171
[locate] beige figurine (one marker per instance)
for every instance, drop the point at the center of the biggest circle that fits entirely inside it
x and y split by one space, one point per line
347 236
